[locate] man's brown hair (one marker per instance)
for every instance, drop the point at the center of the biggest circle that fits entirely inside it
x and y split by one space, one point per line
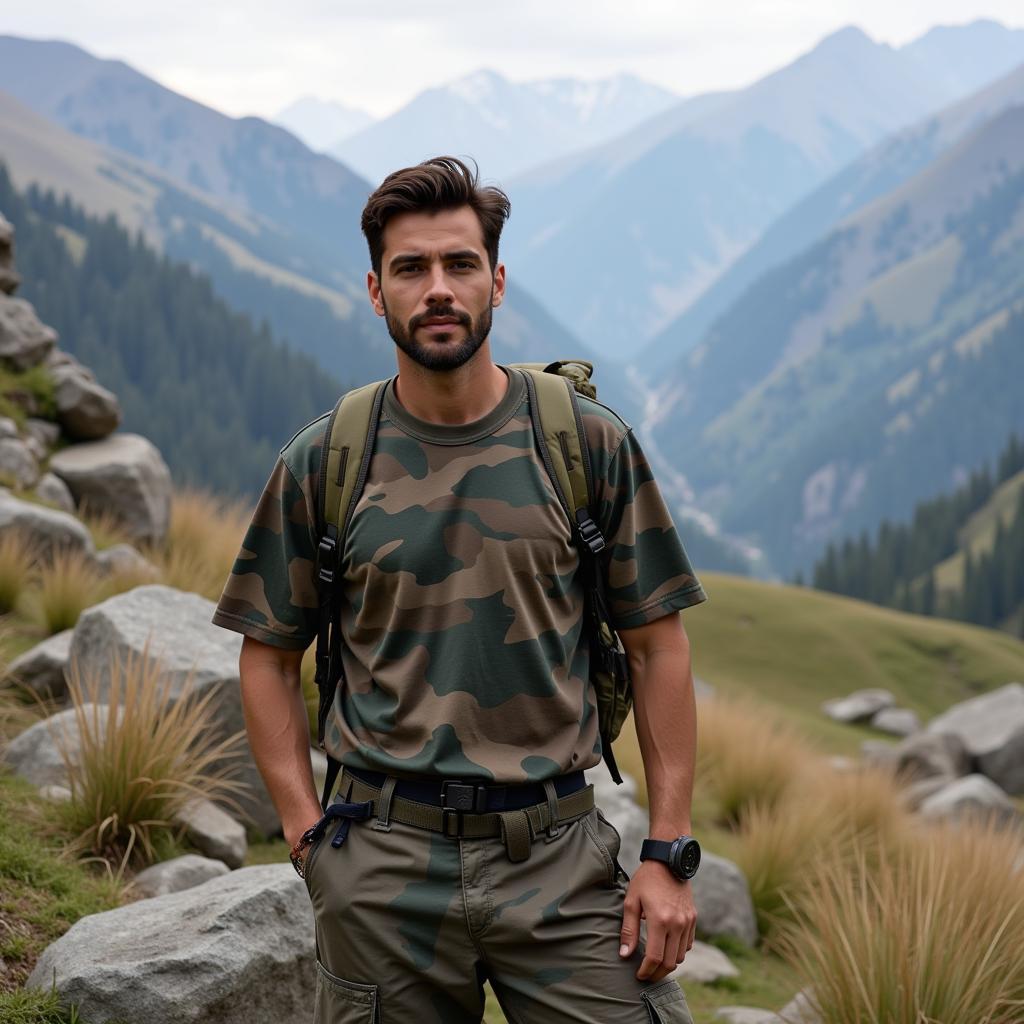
441 183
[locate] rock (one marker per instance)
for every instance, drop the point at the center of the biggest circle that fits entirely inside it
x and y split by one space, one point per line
746 1015
233 950
926 755
44 431
618 804
24 340
123 559
177 874
179 631
992 729
34 754
705 964
214 831
41 668
859 706
896 721
52 489
722 897
974 797
45 529
917 792
800 1010
8 428
842 765
58 794
123 474
878 754
9 278
17 463
86 410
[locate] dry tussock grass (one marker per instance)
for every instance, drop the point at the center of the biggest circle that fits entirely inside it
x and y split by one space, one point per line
930 928
16 561
142 758
202 541
63 587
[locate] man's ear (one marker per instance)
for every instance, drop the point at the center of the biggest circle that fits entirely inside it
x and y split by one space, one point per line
376 295
498 288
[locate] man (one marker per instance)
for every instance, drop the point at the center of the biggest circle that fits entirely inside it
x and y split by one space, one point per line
465 659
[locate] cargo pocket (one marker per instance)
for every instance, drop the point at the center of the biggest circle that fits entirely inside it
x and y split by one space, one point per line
344 1002
666 1003
613 843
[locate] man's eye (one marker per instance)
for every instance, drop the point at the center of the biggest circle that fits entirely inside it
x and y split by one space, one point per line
408 268
462 265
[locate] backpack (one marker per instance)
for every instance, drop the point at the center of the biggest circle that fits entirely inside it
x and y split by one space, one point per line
562 445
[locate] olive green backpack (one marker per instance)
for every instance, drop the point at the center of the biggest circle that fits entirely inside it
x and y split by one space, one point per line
562 444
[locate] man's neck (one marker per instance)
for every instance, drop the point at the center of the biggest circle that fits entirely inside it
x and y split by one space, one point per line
453 396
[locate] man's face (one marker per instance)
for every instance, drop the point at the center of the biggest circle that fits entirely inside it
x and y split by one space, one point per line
436 289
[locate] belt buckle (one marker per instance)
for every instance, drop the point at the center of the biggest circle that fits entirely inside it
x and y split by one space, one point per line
458 798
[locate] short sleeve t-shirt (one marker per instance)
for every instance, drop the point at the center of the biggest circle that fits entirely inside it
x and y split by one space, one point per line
462 600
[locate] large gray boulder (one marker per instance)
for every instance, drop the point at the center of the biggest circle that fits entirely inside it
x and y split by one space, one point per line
123 474
992 729
24 340
860 706
927 755
177 628
972 798
41 668
800 1010
85 409
722 898
123 559
45 432
17 463
234 950
44 529
35 754
618 804
177 874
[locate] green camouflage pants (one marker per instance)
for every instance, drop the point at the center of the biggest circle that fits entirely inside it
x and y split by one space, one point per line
410 923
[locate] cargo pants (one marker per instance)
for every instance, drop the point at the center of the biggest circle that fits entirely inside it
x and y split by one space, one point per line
410 923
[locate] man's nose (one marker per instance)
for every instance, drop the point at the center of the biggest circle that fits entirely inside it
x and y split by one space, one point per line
439 289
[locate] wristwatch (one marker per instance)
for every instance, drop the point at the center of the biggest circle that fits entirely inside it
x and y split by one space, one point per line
682 855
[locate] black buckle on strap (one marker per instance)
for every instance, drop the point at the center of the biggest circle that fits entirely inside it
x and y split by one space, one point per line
458 798
590 532
325 561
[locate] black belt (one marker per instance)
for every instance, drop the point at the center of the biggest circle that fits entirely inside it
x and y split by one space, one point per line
473 797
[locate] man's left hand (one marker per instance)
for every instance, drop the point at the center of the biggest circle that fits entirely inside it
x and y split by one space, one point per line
666 903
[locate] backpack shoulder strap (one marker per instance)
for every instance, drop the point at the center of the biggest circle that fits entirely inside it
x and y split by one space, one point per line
345 456
561 440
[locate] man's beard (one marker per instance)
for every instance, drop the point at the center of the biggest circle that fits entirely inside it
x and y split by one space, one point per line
449 355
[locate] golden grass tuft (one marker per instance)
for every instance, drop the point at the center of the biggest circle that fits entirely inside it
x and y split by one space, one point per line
930 929
16 561
203 538
143 756
106 529
65 585
746 756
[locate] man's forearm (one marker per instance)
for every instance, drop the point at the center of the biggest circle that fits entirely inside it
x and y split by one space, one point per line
278 730
665 714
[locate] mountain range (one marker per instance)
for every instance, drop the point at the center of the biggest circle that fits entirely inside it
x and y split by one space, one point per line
622 239
505 126
321 123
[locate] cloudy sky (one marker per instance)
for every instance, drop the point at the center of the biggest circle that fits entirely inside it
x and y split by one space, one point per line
256 56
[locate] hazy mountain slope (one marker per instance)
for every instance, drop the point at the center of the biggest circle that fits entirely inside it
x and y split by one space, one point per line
860 376
620 245
245 161
883 168
321 123
250 259
506 126
965 56
258 265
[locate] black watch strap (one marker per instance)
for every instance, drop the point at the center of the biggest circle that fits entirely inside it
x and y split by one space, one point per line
682 855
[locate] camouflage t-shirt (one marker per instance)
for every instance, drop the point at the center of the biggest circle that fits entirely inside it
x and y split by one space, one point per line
462 607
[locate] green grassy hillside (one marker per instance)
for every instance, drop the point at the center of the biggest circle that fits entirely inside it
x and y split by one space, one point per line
793 647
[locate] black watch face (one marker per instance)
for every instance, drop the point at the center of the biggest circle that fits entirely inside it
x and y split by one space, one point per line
685 857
